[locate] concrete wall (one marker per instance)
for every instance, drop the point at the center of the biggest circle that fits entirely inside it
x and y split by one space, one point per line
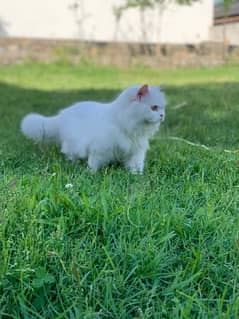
19 50
94 20
228 33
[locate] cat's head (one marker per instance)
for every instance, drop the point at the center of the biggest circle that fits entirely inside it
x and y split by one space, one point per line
147 103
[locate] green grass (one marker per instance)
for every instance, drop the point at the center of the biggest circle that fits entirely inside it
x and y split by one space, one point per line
161 245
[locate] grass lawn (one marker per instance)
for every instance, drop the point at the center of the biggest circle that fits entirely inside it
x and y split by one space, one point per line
161 245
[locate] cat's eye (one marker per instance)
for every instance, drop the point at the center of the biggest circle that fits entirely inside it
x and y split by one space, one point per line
154 108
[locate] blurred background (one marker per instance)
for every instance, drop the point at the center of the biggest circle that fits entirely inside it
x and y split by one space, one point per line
158 33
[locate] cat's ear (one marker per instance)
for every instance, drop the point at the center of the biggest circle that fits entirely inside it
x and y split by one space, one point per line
144 90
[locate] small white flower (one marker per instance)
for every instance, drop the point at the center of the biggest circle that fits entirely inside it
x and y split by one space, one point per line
67 186
53 174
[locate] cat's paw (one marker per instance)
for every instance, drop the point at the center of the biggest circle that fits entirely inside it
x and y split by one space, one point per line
95 163
92 170
135 171
135 167
71 157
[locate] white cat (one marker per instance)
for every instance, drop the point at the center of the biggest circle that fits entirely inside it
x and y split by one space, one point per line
104 132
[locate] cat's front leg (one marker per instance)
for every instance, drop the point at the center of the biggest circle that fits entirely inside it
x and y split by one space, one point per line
136 162
95 163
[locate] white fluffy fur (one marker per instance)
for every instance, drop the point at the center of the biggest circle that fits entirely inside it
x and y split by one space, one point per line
103 132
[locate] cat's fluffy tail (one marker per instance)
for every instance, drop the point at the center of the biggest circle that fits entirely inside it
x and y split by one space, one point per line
40 128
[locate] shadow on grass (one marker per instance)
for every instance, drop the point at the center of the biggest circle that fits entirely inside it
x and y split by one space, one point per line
210 116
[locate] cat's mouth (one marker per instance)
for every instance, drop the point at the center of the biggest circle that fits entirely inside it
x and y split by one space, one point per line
151 122
154 121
